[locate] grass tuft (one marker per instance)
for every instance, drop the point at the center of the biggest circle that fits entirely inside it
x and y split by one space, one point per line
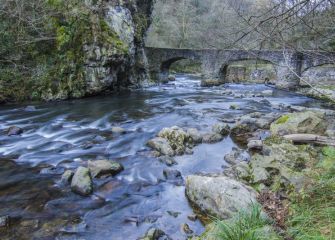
247 225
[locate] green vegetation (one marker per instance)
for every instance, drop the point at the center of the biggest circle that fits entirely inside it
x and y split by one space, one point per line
44 46
313 209
246 225
186 66
283 119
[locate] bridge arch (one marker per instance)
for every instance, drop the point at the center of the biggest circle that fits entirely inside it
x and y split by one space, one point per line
256 70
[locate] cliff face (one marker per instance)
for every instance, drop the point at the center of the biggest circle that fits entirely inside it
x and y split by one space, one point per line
113 66
88 48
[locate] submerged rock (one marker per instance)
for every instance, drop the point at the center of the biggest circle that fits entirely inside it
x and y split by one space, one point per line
195 135
210 82
82 182
219 196
221 128
171 78
14 130
186 228
173 175
101 168
118 130
212 138
302 122
162 146
169 161
155 234
4 221
67 176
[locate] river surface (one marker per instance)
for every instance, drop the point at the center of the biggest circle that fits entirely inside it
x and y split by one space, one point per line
64 135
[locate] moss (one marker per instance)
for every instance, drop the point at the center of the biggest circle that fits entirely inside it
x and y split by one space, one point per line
283 119
274 139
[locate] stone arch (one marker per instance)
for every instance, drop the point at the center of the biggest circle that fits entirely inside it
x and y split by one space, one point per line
242 73
165 65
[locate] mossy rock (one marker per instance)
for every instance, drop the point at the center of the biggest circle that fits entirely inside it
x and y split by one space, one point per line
302 122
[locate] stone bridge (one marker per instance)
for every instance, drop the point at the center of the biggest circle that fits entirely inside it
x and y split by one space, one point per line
289 65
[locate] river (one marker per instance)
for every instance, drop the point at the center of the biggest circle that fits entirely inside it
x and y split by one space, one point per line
64 135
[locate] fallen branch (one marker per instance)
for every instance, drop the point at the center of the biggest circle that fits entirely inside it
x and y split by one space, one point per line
311 138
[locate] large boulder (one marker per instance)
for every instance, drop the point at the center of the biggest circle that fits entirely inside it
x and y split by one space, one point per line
82 182
104 168
162 146
176 137
219 196
280 165
301 122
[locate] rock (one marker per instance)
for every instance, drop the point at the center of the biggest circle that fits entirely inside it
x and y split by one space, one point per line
219 196
161 145
212 138
171 78
267 93
280 164
104 168
118 130
236 156
14 130
195 135
82 182
192 217
30 108
4 221
31 224
250 123
67 176
155 234
173 214
186 228
176 137
330 133
221 128
173 175
240 172
210 82
169 161
255 144
235 107
302 122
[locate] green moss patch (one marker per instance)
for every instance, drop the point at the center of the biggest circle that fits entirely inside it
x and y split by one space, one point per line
283 119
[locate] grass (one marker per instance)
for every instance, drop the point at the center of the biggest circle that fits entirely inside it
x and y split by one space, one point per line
246 225
313 209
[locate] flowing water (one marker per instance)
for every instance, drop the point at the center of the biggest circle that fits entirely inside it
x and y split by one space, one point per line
64 135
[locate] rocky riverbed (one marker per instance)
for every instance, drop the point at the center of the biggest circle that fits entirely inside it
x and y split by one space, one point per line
150 164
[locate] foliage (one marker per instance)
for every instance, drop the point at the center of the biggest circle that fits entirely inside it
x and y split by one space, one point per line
246 225
42 47
313 208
